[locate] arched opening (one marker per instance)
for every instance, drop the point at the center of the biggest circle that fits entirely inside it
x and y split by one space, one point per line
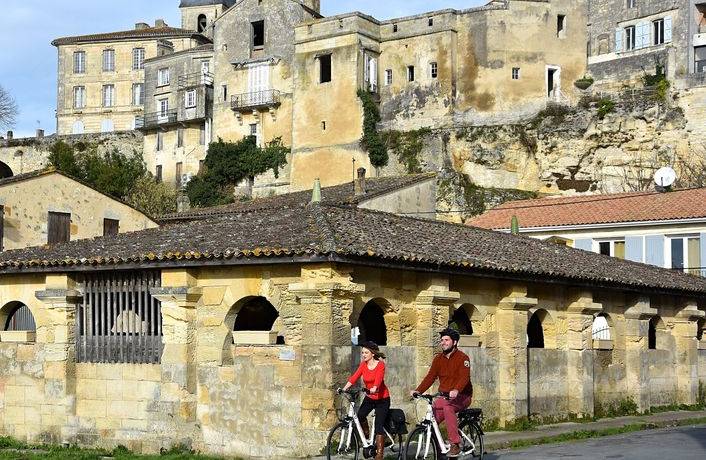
656 330
536 330
19 318
371 324
5 171
256 314
201 23
601 327
701 329
461 320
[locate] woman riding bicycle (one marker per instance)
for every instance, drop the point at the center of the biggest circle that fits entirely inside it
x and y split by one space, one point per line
372 370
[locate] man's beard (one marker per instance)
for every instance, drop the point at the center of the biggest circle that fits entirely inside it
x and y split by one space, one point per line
448 352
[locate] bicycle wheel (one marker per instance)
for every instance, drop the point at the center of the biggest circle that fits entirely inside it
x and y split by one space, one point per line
342 442
421 446
471 439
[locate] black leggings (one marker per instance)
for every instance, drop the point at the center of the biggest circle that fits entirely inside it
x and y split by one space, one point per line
381 406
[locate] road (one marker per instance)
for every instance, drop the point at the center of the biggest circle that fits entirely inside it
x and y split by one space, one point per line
685 443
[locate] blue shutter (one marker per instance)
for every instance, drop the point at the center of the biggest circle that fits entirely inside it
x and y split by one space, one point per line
703 253
667 29
654 250
633 248
618 40
584 243
642 35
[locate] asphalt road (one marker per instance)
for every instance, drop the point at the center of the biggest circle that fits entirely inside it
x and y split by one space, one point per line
684 443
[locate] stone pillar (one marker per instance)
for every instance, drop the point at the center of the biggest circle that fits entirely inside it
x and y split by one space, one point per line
508 345
58 336
179 296
687 352
579 347
325 303
432 306
637 375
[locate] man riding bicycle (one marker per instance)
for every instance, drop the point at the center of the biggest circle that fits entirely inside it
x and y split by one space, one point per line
453 369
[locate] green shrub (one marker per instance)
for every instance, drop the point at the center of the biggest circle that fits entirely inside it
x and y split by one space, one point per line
605 106
371 140
584 83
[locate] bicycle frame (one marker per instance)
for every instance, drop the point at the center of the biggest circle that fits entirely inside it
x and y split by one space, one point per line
353 421
432 427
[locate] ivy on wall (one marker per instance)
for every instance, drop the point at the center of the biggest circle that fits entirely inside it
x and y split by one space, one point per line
372 141
407 146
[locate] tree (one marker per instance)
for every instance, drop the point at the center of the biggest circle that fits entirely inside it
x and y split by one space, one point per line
152 197
8 109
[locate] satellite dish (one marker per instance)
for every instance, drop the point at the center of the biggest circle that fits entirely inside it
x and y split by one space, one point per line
665 177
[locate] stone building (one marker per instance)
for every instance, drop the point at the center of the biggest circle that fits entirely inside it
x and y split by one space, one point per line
186 333
101 76
48 207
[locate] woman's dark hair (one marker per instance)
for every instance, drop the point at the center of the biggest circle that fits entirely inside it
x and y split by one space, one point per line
374 349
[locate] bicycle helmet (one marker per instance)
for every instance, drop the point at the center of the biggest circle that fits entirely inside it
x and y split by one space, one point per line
453 333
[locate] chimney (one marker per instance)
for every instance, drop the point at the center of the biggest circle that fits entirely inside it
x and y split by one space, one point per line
359 184
9 135
160 23
316 193
40 133
141 26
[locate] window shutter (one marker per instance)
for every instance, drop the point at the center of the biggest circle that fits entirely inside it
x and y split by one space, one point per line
58 227
583 243
654 250
633 248
373 74
667 29
618 40
703 253
643 35
111 227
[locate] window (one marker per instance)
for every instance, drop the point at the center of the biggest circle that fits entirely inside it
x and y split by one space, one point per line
58 227
158 174
685 254
323 125
163 77
631 3
325 68
431 22
561 26
178 171
138 58
190 99
138 94
180 137
201 23
612 248
163 108
202 135
394 28
388 77
80 62
108 60
371 73
630 38
107 126
515 73
433 70
160 141
658 32
253 133
19 318
258 35
79 97
224 88
108 95
111 227
410 73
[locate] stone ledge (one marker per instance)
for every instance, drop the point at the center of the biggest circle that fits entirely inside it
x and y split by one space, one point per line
602 344
255 337
18 336
470 341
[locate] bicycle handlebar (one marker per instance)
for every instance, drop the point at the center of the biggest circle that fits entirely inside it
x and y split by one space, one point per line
430 398
352 391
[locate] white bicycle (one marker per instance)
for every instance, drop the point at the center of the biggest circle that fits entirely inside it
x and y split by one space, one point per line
347 437
426 442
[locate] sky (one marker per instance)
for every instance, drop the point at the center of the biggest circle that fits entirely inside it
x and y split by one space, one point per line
28 62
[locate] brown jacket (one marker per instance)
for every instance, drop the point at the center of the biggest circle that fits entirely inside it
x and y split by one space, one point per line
454 373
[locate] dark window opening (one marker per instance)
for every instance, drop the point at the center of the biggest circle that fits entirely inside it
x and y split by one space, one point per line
58 227
535 333
372 324
394 27
111 227
461 322
561 26
5 170
410 73
257 314
652 333
180 137
258 35
158 174
700 329
604 248
325 68
431 22
20 318
202 23
178 171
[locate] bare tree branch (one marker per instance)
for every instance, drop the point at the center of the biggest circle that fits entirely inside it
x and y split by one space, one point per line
8 109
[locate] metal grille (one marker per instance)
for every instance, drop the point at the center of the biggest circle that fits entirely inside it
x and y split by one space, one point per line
119 321
21 319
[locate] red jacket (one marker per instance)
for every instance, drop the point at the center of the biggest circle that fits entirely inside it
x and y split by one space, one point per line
374 378
454 373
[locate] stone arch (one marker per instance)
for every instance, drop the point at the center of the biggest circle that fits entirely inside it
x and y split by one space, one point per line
541 330
656 334
5 171
372 322
602 328
201 23
701 329
16 316
464 319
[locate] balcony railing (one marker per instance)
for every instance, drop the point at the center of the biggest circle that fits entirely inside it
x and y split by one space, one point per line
151 120
195 79
255 100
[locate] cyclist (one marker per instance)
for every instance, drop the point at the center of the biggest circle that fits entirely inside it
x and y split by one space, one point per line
372 370
453 369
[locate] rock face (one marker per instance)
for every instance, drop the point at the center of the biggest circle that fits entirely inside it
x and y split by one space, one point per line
604 145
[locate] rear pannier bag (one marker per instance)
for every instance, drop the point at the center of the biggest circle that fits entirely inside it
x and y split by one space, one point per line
396 422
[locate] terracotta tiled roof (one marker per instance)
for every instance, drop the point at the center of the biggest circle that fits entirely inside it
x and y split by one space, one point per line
347 234
337 194
133 34
597 209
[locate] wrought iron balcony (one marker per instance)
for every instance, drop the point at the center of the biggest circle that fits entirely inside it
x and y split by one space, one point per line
195 79
155 119
255 100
